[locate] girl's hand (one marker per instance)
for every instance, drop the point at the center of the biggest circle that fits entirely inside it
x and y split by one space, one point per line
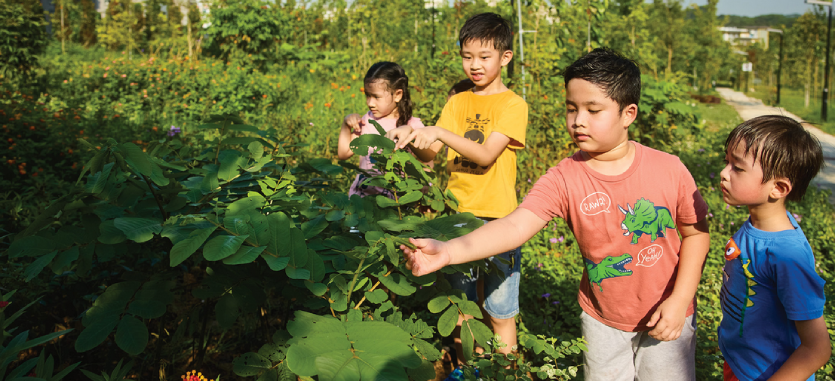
399 135
428 256
354 122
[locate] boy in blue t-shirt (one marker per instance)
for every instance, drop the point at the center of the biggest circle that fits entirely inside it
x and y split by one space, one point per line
772 298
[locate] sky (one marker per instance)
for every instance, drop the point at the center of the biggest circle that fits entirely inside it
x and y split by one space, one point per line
757 7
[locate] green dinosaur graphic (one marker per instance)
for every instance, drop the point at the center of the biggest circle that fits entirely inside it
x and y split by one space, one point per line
646 218
609 267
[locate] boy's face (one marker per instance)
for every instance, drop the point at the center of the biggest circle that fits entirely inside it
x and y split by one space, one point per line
593 120
482 63
742 178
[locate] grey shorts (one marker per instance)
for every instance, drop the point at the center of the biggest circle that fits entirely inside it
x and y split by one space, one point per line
616 355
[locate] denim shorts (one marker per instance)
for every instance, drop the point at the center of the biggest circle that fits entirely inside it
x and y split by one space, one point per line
501 295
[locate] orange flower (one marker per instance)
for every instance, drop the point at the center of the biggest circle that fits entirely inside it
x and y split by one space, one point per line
362 89
334 85
154 128
69 151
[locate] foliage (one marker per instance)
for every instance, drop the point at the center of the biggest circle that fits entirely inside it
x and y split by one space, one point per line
22 37
257 29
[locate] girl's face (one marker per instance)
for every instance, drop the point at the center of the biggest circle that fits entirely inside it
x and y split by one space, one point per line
380 100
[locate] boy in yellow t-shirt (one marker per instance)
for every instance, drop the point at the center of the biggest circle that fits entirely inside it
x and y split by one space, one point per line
483 127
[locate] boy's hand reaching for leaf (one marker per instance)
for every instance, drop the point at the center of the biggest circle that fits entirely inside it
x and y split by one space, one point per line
428 256
400 134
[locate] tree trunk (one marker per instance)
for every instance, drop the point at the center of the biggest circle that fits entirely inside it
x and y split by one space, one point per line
669 60
806 96
63 37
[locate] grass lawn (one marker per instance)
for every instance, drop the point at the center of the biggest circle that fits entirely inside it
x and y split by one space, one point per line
792 100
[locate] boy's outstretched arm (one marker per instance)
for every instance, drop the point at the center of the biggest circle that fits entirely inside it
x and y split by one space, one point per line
482 154
425 155
669 317
493 238
813 352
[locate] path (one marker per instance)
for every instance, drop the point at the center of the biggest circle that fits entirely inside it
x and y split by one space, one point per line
748 108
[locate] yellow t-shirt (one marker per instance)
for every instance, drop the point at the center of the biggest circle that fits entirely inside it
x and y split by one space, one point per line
485 191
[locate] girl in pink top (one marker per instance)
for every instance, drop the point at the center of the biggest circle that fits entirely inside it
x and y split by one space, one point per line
389 104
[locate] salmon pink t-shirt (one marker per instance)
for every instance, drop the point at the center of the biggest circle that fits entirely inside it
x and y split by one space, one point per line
366 162
626 227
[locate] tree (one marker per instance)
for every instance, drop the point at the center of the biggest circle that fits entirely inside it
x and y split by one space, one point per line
22 37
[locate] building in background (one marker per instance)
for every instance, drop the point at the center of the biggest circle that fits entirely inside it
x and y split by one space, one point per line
739 37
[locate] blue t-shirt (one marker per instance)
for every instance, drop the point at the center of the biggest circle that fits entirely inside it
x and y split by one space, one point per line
769 282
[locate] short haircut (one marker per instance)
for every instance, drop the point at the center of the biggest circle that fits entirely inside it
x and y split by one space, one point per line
617 75
783 148
487 27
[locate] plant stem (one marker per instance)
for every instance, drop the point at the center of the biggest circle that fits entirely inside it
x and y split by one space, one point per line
156 198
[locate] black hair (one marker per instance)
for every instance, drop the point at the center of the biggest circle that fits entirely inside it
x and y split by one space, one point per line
396 79
487 27
460 87
783 148
617 75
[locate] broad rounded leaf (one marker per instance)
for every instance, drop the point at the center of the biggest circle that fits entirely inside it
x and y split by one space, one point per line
244 255
377 296
132 335
447 321
185 248
222 246
250 364
438 303
138 229
95 334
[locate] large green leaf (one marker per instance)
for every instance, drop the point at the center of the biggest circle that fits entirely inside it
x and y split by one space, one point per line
32 246
244 255
222 246
371 143
275 263
438 303
94 335
230 162
250 364
185 248
344 351
251 202
397 283
410 197
136 158
315 226
138 229
131 335
447 321
37 266
479 331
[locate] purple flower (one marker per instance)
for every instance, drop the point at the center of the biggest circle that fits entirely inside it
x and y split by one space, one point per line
727 206
174 130
797 217
710 214
698 165
555 302
732 223
561 239
701 150
711 188
529 180
311 124
712 175
553 240
546 295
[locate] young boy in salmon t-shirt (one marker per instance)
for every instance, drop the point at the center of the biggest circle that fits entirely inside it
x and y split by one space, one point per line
627 204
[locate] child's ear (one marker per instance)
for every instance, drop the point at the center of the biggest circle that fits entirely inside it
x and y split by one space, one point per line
628 115
398 95
506 57
782 188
